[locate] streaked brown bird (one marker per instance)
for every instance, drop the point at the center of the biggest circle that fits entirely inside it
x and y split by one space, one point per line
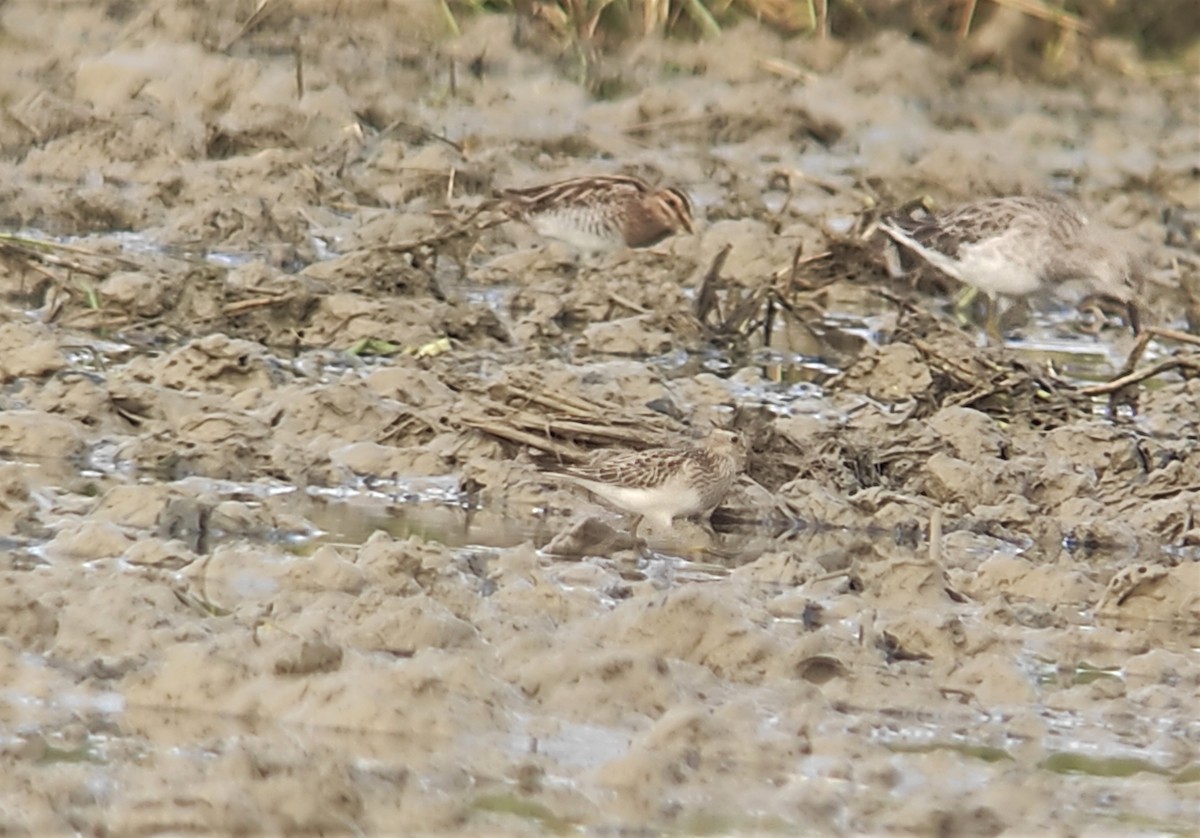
601 213
1022 245
662 484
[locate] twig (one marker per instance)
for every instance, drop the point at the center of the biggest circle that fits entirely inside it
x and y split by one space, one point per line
964 24
298 54
1135 354
706 300
1038 9
617 299
544 441
256 17
1174 334
258 302
786 69
458 229
650 125
561 401
49 251
1191 362
423 132
935 535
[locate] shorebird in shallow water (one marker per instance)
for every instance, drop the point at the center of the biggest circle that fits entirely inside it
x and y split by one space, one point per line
1019 246
601 212
662 484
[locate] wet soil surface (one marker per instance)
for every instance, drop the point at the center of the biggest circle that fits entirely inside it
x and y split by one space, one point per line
276 555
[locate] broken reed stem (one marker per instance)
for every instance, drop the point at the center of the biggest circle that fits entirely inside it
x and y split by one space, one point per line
706 300
1187 362
1136 353
968 16
1041 11
298 54
935 536
1174 334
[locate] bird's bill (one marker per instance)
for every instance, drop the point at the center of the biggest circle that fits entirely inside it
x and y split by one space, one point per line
1133 316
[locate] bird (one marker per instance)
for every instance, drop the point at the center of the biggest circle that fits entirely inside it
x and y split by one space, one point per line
1016 246
661 484
601 213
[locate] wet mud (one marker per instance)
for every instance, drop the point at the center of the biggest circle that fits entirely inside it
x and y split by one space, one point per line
276 555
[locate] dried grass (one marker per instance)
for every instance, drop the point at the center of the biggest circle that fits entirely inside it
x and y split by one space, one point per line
600 24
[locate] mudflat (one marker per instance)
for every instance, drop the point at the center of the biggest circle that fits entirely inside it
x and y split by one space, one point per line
277 558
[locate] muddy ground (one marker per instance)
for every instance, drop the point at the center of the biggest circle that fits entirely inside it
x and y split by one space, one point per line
276 559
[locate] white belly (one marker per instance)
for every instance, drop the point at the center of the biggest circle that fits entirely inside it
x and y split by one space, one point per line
577 228
994 269
659 505
994 266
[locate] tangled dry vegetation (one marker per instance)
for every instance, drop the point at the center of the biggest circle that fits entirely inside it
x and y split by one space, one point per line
1046 32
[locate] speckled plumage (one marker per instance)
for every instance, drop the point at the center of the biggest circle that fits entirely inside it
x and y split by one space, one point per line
661 484
602 212
1020 245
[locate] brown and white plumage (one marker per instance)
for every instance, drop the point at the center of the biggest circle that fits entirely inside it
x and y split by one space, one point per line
1020 245
602 212
661 484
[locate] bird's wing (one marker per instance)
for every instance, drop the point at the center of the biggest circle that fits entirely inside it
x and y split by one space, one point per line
576 191
630 469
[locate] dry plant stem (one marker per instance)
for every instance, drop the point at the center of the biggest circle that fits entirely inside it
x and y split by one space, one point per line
28 263
298 53
623 302
769 319
706 300
1174 334
257 17
421 131
1042 11
52 253
833 574
539 433
566 404
935 535
786 69
259 302
968 15
459 229
792 274
33 132
503 431
742 319
656 124
635 437
1135 354
337 330
97 320
777 300
797 255
964 371
242 306
1186 362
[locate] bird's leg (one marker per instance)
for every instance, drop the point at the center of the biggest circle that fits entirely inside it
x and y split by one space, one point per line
993 320
1133 316
891 260
963 301
633 534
